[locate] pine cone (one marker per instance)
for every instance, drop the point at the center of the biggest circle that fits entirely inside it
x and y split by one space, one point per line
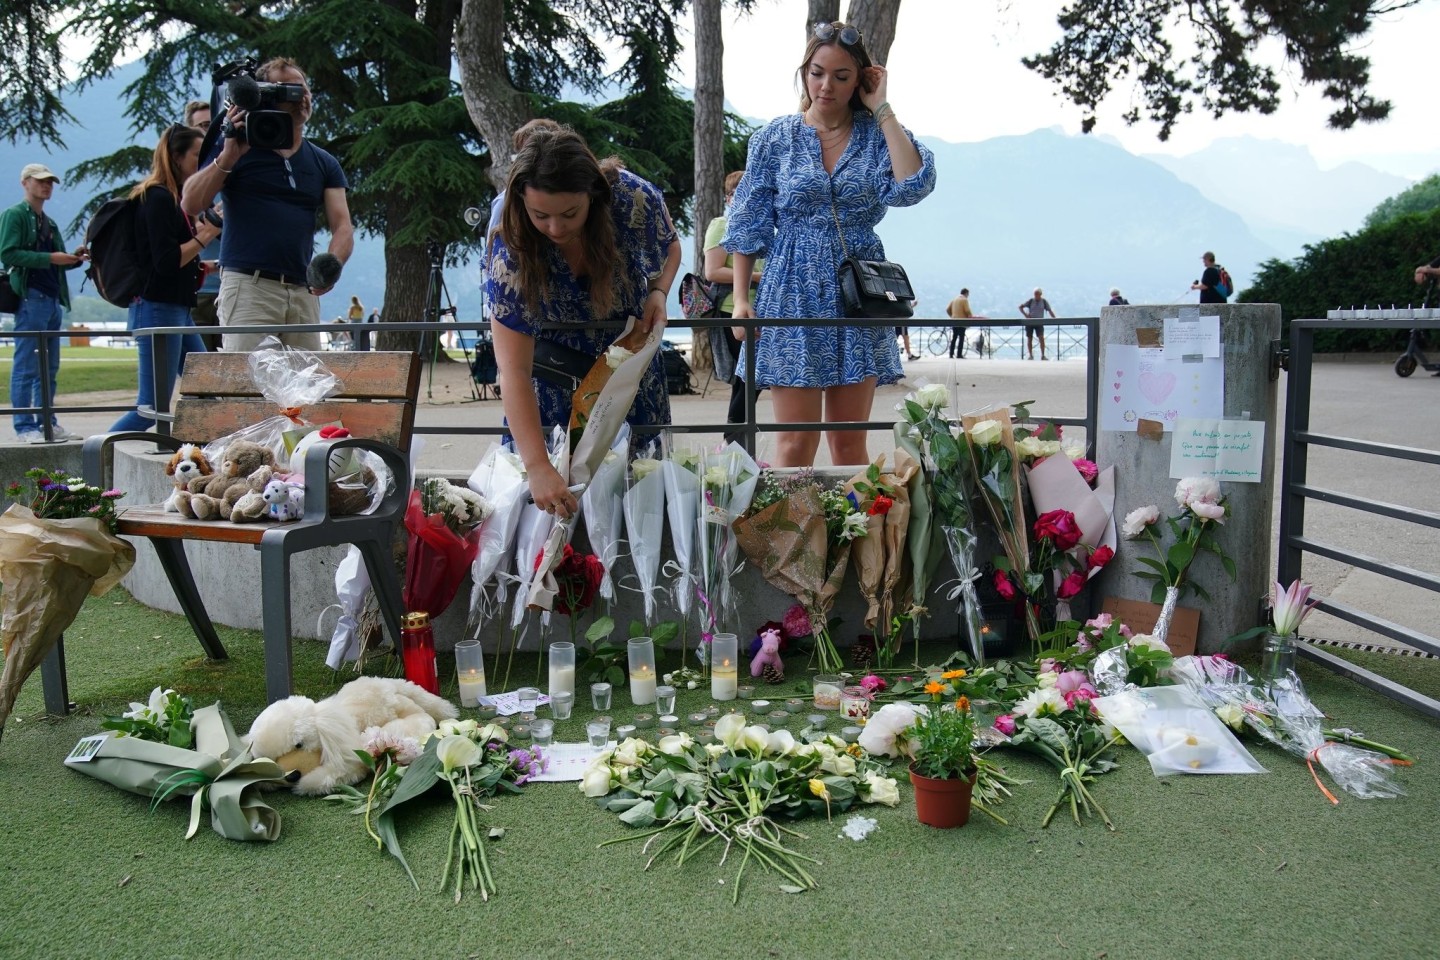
862 652
772 674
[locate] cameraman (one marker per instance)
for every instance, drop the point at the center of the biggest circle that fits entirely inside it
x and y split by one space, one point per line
271 197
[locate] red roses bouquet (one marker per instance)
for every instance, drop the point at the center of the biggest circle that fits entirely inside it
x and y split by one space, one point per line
579 576
1058 560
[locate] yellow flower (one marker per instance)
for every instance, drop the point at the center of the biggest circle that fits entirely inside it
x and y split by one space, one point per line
933 688
963 704
817 787
952 674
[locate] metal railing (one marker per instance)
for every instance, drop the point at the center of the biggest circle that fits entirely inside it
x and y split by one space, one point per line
748 430
1296 491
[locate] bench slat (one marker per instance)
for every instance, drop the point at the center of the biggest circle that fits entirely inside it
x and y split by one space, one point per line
389 375
153 521
205 420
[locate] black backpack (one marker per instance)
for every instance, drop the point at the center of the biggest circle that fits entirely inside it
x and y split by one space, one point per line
119 261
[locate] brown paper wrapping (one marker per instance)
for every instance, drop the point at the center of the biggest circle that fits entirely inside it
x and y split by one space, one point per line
880 556
787 542
47 568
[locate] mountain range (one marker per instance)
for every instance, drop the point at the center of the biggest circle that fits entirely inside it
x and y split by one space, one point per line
1074 215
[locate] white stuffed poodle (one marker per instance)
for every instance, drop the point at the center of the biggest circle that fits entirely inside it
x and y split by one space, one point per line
315 743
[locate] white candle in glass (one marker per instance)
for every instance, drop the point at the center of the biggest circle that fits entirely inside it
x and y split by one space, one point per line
642 685
472 687
724 679
562 679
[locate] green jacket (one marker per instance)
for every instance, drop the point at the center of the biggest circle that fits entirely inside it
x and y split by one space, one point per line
18 253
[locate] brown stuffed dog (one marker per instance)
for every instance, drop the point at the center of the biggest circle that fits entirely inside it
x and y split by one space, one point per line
213 497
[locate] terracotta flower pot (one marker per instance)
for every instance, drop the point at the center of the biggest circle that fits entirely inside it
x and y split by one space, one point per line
942 803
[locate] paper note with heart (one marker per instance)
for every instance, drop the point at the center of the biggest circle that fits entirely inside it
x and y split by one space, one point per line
1139 383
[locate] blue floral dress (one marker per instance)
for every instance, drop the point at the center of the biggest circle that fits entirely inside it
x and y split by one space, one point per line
643 233
782 212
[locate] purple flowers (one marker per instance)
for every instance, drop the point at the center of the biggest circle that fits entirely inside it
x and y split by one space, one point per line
528 763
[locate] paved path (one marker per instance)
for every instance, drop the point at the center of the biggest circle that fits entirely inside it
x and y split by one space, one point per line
1363 400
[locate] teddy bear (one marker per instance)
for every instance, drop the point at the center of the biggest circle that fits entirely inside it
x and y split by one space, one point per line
284 497
769 655
316 743
188 463
252 505
213 497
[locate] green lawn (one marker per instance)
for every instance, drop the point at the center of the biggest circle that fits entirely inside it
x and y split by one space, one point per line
87 369
1204 867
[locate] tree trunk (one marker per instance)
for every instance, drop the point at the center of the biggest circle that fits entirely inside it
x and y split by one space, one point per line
821 11
407 275
496 108
709 144
875 19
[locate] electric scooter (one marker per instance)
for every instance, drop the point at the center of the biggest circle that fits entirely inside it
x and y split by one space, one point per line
1414 357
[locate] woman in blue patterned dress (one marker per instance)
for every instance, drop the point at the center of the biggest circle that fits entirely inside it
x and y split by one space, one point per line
580 241
845 147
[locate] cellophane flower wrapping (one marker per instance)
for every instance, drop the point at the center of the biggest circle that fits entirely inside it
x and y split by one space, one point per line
48 567
729 476
443 524
603 507
533 531
500 479
681 469
1283 714
961 542
644 507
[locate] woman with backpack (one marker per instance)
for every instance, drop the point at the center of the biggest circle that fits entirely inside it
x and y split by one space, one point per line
174 245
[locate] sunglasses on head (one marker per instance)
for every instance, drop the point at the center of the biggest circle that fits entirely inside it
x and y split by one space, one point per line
825 32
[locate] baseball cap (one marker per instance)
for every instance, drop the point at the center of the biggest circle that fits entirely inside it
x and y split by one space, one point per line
37 171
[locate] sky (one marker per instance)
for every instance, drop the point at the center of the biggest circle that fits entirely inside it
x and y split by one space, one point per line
955 73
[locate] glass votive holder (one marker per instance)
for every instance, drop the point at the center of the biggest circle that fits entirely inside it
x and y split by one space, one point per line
561 704
664 699
724 666
562 667
600 696
817 720
850 734
541 732
470 672
640 652
624 732
598 730
854 703
825 691
528 697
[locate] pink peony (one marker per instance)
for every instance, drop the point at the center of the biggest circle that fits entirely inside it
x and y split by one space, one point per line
1005 723
1101 622
1193 490
796 622
1071 680
1209 511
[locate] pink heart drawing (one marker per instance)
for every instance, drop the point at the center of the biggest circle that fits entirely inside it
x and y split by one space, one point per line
1116 385
1157 386
1117 399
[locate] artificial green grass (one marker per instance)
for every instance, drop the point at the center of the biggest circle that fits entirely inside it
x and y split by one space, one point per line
1241 866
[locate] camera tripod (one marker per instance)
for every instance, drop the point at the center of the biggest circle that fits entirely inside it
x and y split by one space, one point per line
435 293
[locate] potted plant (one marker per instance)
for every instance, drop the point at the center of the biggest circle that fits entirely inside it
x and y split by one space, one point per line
942 760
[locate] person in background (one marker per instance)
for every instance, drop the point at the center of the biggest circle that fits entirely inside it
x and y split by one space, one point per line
355 315
580 241
1035 309
1209 280
1428 271
32 250
720 268
362 336
272 198
959 309
833 168
205 314
1115 299
904 334
174 244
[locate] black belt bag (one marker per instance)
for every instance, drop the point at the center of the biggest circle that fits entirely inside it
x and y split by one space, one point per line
875 288
560 365
9 299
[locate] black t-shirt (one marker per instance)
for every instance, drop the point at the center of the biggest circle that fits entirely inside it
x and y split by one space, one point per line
1209 280
163 229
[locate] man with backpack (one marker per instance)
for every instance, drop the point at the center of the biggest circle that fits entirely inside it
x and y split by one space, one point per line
32 250
1214 284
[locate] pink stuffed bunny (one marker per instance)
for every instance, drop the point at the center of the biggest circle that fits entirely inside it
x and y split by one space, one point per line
769 654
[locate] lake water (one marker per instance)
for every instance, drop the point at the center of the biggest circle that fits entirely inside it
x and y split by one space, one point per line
1003 343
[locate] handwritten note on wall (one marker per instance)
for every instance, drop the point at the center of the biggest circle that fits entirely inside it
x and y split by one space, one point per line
1228 450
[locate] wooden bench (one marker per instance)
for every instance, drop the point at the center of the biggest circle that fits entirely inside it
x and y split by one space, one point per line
217 398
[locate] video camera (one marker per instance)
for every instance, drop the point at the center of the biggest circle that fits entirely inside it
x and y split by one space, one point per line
265 126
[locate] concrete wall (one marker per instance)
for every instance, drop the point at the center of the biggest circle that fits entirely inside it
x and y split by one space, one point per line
1143 473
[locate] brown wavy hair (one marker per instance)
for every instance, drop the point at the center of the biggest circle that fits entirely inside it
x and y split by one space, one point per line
559 161
856 50
174 143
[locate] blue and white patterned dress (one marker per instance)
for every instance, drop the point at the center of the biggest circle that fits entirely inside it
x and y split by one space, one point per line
782 212
643 233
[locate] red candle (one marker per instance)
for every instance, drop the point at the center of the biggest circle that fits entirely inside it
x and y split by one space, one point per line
417 649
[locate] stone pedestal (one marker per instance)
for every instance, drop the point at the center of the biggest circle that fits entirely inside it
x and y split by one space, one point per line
1142 468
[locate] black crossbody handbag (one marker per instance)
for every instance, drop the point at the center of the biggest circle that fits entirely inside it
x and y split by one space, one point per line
563 366
871 288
